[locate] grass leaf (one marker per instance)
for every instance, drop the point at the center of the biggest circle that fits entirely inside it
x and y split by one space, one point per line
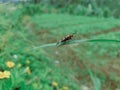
76 42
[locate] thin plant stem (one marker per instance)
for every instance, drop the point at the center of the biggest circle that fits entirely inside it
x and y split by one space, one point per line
77 42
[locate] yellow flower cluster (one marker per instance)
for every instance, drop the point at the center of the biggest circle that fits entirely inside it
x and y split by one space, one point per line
4 74
28 70
19 65
10 64
27 62
55 84
65 88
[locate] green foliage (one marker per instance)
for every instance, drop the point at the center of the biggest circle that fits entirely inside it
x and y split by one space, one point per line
32 9
76 42
25 29
77 9
96 81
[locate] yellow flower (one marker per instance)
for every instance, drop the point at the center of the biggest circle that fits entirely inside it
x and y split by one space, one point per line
28 70
19 65
65 88
55 84
5 74
10 64
1 75
27 62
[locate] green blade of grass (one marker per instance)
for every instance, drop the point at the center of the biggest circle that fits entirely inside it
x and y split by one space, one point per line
96 81
76 42
45 45
103 40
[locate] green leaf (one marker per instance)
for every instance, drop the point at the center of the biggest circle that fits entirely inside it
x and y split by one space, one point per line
76 42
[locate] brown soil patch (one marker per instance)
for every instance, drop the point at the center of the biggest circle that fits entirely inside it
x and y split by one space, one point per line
115 29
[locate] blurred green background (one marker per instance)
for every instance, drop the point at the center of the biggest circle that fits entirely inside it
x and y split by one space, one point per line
26 25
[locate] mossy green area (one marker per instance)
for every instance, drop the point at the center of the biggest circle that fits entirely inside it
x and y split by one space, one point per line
91 65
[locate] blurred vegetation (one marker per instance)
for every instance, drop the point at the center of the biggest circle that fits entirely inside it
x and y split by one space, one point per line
92 66
104 8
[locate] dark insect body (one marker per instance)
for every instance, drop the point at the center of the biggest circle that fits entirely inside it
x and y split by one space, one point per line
68 37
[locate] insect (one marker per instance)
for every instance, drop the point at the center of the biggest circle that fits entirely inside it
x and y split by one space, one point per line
66 38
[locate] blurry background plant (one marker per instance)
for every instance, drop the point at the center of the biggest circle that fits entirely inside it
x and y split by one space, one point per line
25 26
104 8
